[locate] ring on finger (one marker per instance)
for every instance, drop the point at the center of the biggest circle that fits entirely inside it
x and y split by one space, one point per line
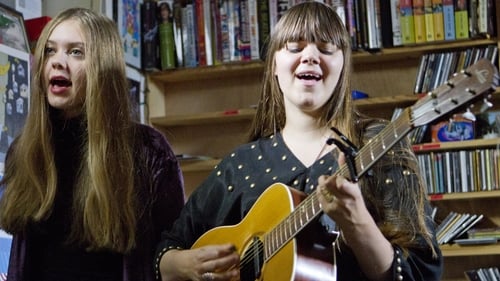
207 276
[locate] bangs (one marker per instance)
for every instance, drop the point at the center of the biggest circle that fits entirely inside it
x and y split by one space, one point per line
312 23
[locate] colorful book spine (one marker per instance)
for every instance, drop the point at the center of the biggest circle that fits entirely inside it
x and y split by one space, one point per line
177 21
149 32
449 20
201 48
437 12
208 33
254 29
406 21
461 19
263 23
429 21
397 39
189 35
244 34
419 21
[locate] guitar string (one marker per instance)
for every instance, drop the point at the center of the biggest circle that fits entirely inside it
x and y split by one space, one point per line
342 170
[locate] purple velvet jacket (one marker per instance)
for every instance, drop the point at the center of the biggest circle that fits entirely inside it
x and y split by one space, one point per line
162 194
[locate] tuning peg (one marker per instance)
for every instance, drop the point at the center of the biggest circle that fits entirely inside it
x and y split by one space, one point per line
469 115
486 105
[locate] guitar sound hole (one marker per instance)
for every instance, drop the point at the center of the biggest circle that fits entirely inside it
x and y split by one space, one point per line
252 260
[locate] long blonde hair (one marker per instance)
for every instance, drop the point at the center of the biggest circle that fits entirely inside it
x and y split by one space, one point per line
104 204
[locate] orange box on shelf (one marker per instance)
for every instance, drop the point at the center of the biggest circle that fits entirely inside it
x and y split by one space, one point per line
456 129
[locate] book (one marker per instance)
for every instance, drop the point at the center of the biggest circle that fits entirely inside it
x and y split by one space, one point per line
149 33
263 25
449 20
177 22
189 35
374 33
461 19
419 79
486 18
208 32
419 20
243 40
472 275
253 25
350 15
437 12
473 18
429 21
406 21
199 32
166 35
396 26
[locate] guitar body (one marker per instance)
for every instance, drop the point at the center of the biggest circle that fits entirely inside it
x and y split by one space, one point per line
301 258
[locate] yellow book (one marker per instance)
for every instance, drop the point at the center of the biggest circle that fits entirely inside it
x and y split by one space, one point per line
429 21
461 20
419 21
406 21
437 12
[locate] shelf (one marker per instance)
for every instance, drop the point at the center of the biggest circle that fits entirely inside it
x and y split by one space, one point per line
247 114
188 166
416 51
465 195
455 250
456 145
228 70
233 115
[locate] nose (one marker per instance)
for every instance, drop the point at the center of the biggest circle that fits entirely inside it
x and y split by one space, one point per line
58 60
310 54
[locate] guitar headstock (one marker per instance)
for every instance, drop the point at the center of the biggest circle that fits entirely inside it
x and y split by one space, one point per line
463 89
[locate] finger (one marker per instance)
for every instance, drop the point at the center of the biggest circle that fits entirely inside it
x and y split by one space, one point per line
215 251
341 158
223 263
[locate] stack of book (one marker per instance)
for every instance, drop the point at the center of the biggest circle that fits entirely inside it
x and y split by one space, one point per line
483 274
455 225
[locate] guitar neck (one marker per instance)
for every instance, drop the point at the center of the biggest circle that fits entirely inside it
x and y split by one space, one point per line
310 207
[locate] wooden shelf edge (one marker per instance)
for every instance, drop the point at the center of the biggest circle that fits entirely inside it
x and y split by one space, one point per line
416 50
455 250
247 114
236 115
196 166
455 145
465 195
257 66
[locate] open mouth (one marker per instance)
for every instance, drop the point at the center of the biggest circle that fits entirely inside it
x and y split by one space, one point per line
309 76
60 82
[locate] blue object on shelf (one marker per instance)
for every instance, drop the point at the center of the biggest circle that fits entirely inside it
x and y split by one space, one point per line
359 95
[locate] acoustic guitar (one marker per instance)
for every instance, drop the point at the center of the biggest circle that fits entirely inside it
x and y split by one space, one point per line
275 240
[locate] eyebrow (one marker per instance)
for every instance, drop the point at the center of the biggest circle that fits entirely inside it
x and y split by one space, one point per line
71 44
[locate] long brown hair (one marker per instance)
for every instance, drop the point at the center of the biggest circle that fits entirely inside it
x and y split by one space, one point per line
400 210
312 22
104 201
